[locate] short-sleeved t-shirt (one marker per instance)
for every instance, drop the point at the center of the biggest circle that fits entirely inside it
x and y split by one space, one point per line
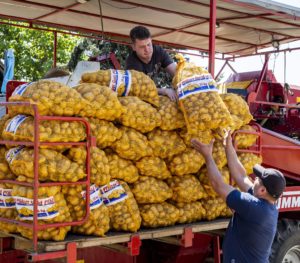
160 59
252 228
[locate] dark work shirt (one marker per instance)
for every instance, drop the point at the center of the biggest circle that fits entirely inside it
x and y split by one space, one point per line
252 228
160 59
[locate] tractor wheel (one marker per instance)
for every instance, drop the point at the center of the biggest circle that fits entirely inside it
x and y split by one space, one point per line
286 245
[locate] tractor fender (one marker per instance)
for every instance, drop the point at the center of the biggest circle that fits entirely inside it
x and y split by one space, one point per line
286 244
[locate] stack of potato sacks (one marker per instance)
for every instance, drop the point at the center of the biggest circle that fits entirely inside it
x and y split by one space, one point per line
144 171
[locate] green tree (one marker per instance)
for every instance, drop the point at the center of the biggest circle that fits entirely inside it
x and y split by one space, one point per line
33 50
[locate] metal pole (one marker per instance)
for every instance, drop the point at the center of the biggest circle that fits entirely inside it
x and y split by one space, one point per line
212 36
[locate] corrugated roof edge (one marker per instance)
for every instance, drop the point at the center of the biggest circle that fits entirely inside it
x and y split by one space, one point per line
276 6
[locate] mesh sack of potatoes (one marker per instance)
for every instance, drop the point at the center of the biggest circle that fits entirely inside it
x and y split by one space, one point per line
248 160
21 127
158 215
125 83
186 188
7 208
153 166
172 117
98 221
51 98
103 102
244 140
190 212
203 136
139 115
188 162
99 166
165 144
53 165
5 172
203 177
237 106
3 121
226 212
120 168
52 208
198 96
149 190
213 207
123 209
133 145
106 132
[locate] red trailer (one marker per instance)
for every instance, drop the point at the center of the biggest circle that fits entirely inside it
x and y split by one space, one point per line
221 29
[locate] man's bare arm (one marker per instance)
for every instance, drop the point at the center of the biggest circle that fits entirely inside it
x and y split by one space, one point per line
171 69
236 169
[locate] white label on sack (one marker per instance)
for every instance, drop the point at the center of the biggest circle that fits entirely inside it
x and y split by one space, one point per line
201 83
14 123
119 78
45 208
6 198
95 199
21 89
113 193
12 153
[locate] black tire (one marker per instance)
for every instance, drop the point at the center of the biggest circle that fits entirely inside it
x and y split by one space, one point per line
286 245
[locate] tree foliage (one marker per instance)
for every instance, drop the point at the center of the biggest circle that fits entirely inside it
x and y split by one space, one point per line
33 50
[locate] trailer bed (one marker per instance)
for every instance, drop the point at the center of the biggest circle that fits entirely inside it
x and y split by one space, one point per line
117 237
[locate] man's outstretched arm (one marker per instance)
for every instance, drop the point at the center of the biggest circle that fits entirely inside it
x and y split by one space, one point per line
236 169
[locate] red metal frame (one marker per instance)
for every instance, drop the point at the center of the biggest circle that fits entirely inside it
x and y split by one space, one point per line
187 237
36 184
134 245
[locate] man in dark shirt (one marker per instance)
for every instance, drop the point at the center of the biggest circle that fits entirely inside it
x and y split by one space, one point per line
252 228
149 58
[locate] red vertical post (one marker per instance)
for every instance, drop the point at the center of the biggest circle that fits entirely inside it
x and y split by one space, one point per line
36 182
55 49
71 252
212 37
217 250
262 73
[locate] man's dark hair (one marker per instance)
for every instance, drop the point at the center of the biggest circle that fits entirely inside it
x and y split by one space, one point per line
139 32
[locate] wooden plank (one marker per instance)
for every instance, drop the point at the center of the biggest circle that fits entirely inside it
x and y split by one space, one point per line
118 237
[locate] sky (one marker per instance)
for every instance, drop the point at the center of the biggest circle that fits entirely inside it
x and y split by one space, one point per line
276 62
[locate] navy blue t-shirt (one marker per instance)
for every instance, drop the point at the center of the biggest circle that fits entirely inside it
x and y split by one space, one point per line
252 228
160 59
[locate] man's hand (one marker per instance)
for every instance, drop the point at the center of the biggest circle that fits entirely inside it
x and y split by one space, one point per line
204 149
227 138
171 94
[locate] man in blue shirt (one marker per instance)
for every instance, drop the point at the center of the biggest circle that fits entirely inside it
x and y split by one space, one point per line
252 228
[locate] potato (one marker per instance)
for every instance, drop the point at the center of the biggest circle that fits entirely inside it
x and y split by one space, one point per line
165 144
121 168
125 83
159 215
139 114
172 117
132 145
52 98
98 220
153 166
53 165
123 209
52 209
186 189
104 103
148 190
